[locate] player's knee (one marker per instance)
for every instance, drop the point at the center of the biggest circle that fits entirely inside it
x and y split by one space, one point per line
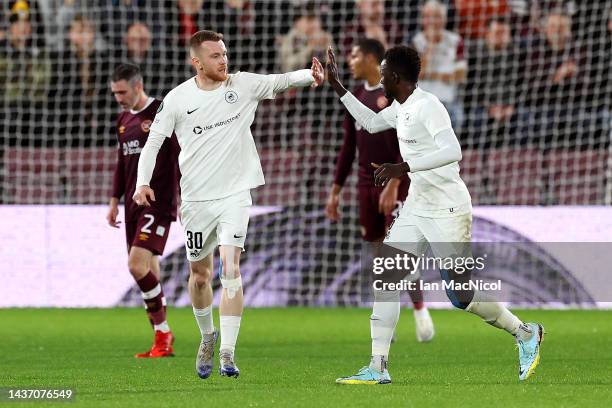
137 268
201 275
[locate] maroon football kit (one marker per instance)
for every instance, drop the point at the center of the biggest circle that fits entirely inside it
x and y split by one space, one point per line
377 148
146 227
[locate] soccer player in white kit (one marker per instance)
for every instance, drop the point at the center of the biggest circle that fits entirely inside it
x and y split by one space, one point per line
211 115
438 209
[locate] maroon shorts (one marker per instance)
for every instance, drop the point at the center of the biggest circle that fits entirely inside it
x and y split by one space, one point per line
150 231
374 223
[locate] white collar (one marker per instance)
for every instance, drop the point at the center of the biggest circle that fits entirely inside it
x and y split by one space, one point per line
371 88
149 102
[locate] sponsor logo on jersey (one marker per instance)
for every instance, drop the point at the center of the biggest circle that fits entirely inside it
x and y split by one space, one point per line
407 141
161 106
231 97
189 112
381 102
198 130
121 129
146 126
131 147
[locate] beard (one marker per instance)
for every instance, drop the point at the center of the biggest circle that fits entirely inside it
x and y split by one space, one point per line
217 75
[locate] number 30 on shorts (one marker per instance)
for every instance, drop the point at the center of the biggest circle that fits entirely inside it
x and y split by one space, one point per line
194 240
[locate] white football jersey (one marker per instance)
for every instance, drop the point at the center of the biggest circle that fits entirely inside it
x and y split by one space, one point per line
218 156
436 192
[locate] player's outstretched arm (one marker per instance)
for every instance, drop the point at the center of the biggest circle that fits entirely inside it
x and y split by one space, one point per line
146 164
368 119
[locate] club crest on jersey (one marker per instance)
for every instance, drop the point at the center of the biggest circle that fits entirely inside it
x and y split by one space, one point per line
381 102
231 97
145 126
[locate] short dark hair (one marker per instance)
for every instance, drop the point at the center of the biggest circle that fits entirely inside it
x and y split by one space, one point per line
371 46
126 72
204 35
404 61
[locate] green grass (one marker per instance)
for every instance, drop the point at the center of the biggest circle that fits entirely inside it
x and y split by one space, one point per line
290 357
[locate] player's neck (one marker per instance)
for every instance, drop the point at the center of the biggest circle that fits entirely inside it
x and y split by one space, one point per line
207 84
404 94
142 102
373 78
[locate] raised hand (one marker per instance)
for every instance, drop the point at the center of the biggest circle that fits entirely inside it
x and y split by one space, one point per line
317 72
332 72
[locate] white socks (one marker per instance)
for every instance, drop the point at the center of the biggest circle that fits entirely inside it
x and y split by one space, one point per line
205 320
162 327
230 326
385 314
497 315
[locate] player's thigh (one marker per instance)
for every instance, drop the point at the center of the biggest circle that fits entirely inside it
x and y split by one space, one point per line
405 235
199 221
202 269
152 232
448 237
234 220
140 261
372 222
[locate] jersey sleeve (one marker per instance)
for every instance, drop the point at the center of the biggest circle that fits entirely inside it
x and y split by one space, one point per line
347 151
368 119
267 86
434 117
165 118
119 175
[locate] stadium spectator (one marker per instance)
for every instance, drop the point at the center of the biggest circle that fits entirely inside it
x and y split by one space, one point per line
305 40
371 22
24 78
189 16
79 87
559 81
139 51
29 10
443 65
116 17
474 14
61 15
494 81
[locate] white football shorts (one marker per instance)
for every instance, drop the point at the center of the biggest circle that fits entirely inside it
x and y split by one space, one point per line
447 236
208 224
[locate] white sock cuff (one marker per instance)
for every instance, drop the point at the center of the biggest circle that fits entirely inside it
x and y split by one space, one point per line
152 293
231 321
202 312
231 283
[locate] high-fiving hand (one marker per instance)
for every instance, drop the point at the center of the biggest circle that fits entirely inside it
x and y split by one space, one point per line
317 72
332 72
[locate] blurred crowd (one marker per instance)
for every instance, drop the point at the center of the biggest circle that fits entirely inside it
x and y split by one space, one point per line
509 71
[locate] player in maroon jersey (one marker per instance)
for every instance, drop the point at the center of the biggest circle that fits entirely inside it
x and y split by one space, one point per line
377 205
146 228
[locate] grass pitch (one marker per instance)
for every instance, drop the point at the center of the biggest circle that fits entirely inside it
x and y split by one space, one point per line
291 357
